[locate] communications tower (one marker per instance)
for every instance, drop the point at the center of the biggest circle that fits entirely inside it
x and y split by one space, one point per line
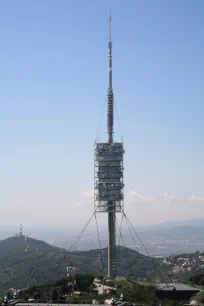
108 194
21 230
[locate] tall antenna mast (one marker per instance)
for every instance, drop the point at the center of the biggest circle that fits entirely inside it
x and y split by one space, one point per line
110 96
108 192
21 230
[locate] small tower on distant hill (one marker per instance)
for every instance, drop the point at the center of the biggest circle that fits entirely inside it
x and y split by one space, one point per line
21 230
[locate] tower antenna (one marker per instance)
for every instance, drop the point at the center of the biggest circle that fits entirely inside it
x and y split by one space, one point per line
110 96
21 230
110 27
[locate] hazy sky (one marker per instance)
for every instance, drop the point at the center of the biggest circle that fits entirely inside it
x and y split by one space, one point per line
53 82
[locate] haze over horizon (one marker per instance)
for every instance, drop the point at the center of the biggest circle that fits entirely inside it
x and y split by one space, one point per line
54 78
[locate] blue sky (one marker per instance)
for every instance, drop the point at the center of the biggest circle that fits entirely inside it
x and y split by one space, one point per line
53 82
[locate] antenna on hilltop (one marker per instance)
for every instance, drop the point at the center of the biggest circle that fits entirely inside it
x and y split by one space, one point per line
21 230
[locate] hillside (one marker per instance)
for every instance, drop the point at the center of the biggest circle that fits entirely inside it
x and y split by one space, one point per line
27 262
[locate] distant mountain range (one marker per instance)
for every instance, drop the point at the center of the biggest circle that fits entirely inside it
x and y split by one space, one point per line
170 224
26 261
163 239
171 237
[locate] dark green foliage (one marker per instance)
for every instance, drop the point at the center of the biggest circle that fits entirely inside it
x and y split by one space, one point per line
167 302
135 292
101 277
9 295
55 290
197 279
199 297
55 295
25 296
43 298
84 282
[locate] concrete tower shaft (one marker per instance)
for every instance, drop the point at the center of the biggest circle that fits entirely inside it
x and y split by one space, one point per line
111 244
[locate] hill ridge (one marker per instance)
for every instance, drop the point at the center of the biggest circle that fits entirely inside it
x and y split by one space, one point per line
22 265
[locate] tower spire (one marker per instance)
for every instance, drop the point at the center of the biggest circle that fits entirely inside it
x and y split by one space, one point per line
110 51
110 97
110 26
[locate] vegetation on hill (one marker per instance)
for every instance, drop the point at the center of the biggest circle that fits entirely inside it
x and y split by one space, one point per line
199 298
25 262
58 291
197 279
135 291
